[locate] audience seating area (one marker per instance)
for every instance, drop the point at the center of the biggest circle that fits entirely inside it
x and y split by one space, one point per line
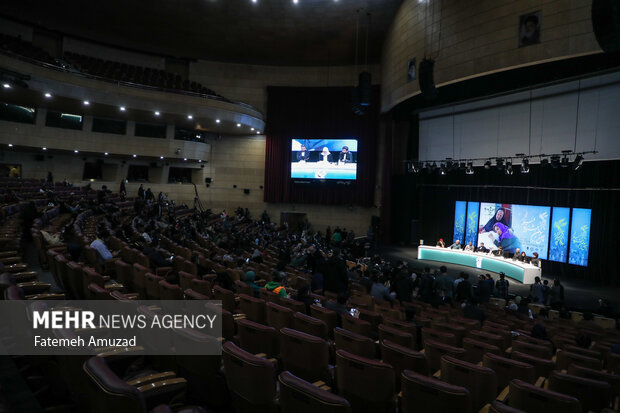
280 354
106 69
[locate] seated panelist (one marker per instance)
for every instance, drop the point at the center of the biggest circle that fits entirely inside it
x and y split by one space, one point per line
345 156
482 248
303 154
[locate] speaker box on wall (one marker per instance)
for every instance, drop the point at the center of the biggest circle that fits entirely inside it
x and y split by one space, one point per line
365 88
207 180
427 82
246 191
606 24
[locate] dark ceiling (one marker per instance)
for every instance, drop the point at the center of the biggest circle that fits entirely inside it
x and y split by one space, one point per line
274 32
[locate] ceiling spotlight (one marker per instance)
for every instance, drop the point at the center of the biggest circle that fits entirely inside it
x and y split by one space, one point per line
106 154
577 162
254 1
48 95
156 113
86 103
199 160
190 117
238 125
469 170
415 167
565 161
251 128
122 108
10 145
75 151
161 157
6 86
44 148
134 155
295 1
525 166
258 132
217 121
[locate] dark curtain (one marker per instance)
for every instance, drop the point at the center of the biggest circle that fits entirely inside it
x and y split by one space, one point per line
430 198
323 113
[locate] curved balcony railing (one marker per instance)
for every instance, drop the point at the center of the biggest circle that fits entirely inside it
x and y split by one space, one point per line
67 69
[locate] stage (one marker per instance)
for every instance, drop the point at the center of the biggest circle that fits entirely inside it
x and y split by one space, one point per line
578 294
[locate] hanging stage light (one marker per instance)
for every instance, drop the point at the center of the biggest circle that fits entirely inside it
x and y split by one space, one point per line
487 165
577 162
469 170
499 163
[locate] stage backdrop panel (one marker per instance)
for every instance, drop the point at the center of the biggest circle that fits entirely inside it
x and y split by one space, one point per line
558 245
459 221
471 231
580 237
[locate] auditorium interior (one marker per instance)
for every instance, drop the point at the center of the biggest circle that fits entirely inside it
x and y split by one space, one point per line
376 205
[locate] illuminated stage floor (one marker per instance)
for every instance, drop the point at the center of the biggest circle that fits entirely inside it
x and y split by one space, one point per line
579 294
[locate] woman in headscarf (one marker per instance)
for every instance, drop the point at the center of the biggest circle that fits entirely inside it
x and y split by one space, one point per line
326 155
500 216
506 239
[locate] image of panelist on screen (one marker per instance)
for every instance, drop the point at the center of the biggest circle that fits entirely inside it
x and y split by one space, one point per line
324 159
303 155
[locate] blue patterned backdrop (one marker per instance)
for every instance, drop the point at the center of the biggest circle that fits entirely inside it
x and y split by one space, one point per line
558 244
459 221
531 225
471 231
580 237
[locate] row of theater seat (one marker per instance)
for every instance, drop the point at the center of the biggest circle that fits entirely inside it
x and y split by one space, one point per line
323 360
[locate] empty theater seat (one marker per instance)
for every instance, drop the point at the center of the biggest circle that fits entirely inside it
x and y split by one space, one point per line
251 379
593 395
367 384
304 355
480 381
533 399
257 338
427 394
354 343
300 396
508 369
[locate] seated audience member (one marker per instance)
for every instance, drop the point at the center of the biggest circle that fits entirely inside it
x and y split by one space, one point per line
277 284
223 280
473 311
536 291
501 286
535 260
379 290
303 295
517 254
250 276
440 243
172 277
584 340
523 307
498 252
540 332
456 246
339 306
482 248
156 258
99 245
469 247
